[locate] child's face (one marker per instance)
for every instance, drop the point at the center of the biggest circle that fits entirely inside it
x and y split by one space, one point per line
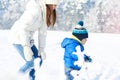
84 41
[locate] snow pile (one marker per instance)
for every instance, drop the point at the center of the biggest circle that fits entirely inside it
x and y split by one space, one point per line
103 48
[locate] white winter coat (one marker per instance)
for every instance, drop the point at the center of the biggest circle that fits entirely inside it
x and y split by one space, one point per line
32 20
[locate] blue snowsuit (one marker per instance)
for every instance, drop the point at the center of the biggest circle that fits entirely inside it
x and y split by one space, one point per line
69 58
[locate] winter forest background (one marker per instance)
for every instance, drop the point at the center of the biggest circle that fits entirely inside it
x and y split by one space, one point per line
98 15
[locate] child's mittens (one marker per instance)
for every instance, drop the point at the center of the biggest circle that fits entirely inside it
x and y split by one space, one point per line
87 58
28 53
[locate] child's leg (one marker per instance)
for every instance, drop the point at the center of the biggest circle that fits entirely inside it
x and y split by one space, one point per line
68 73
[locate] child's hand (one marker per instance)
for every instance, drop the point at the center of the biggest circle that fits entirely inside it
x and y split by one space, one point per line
87 58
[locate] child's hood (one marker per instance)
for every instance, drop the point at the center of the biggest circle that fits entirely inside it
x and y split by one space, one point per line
68 41
65 42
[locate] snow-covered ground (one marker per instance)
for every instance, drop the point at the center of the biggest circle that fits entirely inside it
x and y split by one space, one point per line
102 47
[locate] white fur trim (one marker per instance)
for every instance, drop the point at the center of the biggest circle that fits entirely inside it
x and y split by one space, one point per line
77 26
51 2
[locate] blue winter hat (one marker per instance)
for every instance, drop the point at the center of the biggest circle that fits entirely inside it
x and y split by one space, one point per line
81 23
80 33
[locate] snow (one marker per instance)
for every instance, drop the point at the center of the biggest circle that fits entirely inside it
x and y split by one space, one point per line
102 47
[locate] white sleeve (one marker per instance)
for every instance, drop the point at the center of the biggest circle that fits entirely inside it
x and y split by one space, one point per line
42 33
27 21
25 39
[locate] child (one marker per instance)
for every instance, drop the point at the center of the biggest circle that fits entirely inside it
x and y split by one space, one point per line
71 55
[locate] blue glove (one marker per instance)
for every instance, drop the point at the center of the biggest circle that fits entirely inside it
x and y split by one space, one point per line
87 58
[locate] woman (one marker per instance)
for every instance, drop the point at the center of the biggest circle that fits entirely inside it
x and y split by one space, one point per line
39 15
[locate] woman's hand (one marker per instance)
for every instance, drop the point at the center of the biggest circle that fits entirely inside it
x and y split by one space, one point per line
42 54
28 53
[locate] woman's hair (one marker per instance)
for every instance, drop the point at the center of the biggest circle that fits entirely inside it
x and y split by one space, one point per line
50 17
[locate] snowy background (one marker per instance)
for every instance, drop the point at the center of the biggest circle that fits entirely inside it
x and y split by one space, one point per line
102 47
101 18
99 15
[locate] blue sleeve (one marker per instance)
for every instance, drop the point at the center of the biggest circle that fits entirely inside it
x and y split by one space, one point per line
76 67
75 57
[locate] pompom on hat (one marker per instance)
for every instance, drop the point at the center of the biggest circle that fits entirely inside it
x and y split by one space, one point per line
80 33
55 2
80 24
